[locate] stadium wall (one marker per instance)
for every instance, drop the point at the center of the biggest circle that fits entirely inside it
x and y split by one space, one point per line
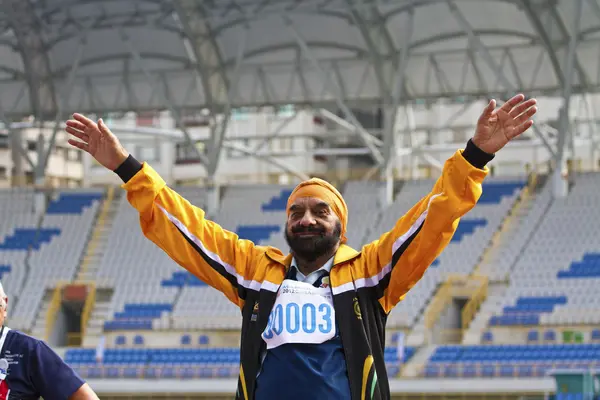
400 389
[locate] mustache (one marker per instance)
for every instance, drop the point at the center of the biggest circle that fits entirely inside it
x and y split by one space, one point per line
307 229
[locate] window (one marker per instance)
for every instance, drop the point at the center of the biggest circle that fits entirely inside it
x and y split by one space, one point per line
240 114
186 155
285 111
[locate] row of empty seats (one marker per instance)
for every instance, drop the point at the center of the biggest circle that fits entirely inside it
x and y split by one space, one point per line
254 212
560 260
510 360
177 362
146 281
473 235
44 249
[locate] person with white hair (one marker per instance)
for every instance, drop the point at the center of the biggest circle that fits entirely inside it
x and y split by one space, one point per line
30 369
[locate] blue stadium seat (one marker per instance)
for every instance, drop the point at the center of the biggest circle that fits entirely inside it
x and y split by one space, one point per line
256 233
182 363
467 227
72 203
4 269
186 340
181 279
588 267
277 203
527 310
137 316
23 238
494 192
203 340
487 337
533 336
510 360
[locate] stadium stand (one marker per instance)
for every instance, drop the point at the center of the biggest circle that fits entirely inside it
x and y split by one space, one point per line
146 282
256 213
53 247
17 217
554 279
552 282
183 363
364 210
519 360
547 317
464 252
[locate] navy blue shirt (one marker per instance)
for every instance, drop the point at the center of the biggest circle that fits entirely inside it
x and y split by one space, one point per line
304 371
35 370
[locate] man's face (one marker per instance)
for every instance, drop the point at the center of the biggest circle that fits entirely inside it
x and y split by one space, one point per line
312 228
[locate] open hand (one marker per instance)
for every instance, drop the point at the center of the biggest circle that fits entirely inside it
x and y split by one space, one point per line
96 140
496 128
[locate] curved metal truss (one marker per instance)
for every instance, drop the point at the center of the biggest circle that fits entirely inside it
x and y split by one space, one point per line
97 56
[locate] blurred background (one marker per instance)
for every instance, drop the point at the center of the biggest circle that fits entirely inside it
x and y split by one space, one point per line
233 102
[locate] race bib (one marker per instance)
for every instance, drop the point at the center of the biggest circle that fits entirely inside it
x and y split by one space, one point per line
302 314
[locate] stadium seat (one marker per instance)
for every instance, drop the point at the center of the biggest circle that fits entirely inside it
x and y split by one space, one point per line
180 363
519 360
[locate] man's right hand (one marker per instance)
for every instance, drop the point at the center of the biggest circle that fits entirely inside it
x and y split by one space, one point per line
96 140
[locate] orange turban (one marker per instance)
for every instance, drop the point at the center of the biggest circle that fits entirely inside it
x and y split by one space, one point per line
323 190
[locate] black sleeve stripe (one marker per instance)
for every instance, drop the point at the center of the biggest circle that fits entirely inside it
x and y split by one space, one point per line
215 265
384 283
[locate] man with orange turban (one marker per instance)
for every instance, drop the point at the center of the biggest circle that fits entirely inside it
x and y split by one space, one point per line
313 321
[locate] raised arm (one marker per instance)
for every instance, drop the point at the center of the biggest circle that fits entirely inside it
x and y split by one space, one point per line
400 257
216 256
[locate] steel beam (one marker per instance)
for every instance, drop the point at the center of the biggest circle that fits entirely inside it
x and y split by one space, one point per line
559 186
331 85
163 94
533 16
474 41
276 132
391 112
278 163
22 18
67 89
347 125
219 130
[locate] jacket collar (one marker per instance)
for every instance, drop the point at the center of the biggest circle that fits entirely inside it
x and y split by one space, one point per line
344 254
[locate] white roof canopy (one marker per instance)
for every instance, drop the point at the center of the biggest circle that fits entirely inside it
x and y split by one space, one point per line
115 55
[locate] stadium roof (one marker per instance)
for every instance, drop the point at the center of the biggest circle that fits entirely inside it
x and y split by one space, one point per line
98 56
116 55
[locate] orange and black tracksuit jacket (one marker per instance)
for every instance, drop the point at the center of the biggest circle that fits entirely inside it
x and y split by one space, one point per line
366 284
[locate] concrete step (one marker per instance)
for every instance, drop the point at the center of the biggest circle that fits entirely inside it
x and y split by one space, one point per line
415 365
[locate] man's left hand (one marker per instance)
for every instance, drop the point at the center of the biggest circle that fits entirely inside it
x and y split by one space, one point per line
496 128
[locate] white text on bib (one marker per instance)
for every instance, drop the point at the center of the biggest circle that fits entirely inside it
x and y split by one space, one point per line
302 314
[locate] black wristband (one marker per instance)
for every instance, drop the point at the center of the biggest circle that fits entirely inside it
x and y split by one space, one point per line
475 156
128 168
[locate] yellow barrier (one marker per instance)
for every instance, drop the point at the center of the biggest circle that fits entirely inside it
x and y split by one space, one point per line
93 243
474 287
53 308
55 303
470 309
88 307
438 304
